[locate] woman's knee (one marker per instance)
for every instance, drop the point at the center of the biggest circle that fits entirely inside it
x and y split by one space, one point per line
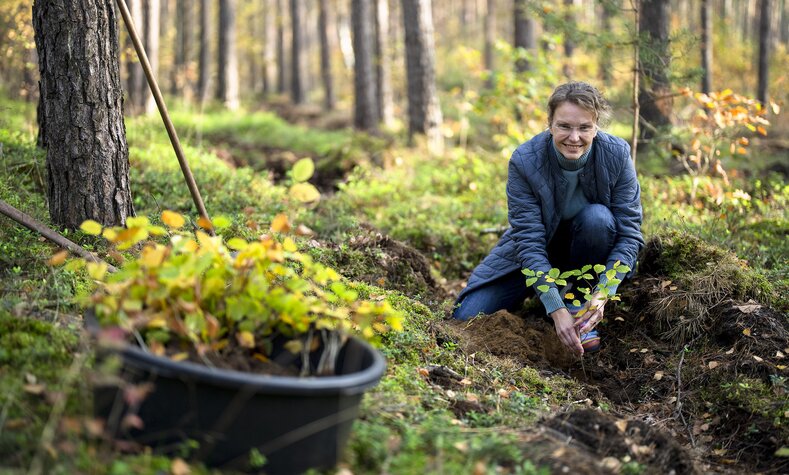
594 218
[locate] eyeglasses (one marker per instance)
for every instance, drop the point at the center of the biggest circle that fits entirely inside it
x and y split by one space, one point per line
585 129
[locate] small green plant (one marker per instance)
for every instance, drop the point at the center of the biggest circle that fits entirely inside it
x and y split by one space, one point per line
587 290
197 295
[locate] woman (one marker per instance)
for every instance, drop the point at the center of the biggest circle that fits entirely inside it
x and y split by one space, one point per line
573 200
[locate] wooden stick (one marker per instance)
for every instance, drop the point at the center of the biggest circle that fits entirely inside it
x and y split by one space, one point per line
42 229
168 123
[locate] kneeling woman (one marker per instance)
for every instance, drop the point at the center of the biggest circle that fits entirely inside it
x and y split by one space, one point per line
573 200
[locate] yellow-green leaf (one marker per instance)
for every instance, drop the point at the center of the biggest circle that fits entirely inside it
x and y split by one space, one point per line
137 222
294 346
91 227
303 170
222 222
172 219
246 339
304 192
237 244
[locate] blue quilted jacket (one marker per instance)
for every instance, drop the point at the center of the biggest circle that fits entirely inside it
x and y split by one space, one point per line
535 191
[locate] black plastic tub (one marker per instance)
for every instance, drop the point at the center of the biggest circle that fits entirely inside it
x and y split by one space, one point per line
296 423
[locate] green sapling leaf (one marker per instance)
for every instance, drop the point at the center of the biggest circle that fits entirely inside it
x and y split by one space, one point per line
543 288
530 281
599 269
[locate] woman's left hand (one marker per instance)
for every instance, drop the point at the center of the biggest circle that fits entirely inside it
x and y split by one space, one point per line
595 308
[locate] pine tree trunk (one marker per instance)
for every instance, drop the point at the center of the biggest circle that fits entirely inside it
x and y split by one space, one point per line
326 77
524 33
227 86
654 86
136 78
281 73
764 50
609 9
383 73
87 154
297 35
569 40
706 45
269 46
424 111
490 39
365 114
152 17
204 66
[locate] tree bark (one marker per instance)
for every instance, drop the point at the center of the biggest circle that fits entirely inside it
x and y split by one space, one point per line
365 113
609 9
569 38
326 77
227 86
383 70
655 57
87 153
524 34
424 111
204 66
296 53
706 45
764 50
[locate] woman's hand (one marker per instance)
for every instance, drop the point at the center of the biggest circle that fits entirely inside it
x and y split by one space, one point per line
595 308
567 331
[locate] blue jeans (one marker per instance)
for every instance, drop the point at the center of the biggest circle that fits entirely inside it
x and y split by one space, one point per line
586 239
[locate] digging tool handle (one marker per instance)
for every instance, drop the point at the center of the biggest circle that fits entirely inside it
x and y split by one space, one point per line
168 123
42 229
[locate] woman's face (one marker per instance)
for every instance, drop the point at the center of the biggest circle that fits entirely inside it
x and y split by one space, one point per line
573 130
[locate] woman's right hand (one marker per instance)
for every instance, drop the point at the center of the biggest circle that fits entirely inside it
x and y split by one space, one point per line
566 330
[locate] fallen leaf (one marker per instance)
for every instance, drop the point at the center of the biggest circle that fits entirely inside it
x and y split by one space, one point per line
465 382
713 364
658 376
673 287
36 389
644 350
672 400
780 355
730 351
665 284
471 397
758 359
621 424
719 452
423 372
132 421
31 378
746 332
748 308
451 393
634 350
504 393
461 446
58 259
619 319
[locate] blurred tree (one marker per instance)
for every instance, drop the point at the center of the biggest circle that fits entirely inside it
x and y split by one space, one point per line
281 72
654 94
269 46
329 100
609 9
765 7
706 45
87 154
383 73
204 64
365 113
490 40
569 29
152 11
135 79
524 33
227 64
424 110
182 82
296 53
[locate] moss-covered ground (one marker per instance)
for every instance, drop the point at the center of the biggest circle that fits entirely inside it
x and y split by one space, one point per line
694 365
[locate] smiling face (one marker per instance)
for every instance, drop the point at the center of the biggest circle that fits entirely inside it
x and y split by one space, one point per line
573 129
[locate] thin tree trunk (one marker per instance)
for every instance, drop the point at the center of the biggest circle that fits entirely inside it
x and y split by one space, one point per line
569 40
281 73
269 46
365 116
326 76
87 154
296 72
204 66
424 111
152 17
383 71
490 39
227 86
136 78
706 45
609 9
655 87
764 50
524 34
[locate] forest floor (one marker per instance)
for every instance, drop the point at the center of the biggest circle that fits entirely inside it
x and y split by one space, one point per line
691 376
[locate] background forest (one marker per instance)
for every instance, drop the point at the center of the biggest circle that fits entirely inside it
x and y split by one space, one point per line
409 111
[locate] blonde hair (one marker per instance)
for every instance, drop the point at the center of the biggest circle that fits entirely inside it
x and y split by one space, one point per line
583 95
